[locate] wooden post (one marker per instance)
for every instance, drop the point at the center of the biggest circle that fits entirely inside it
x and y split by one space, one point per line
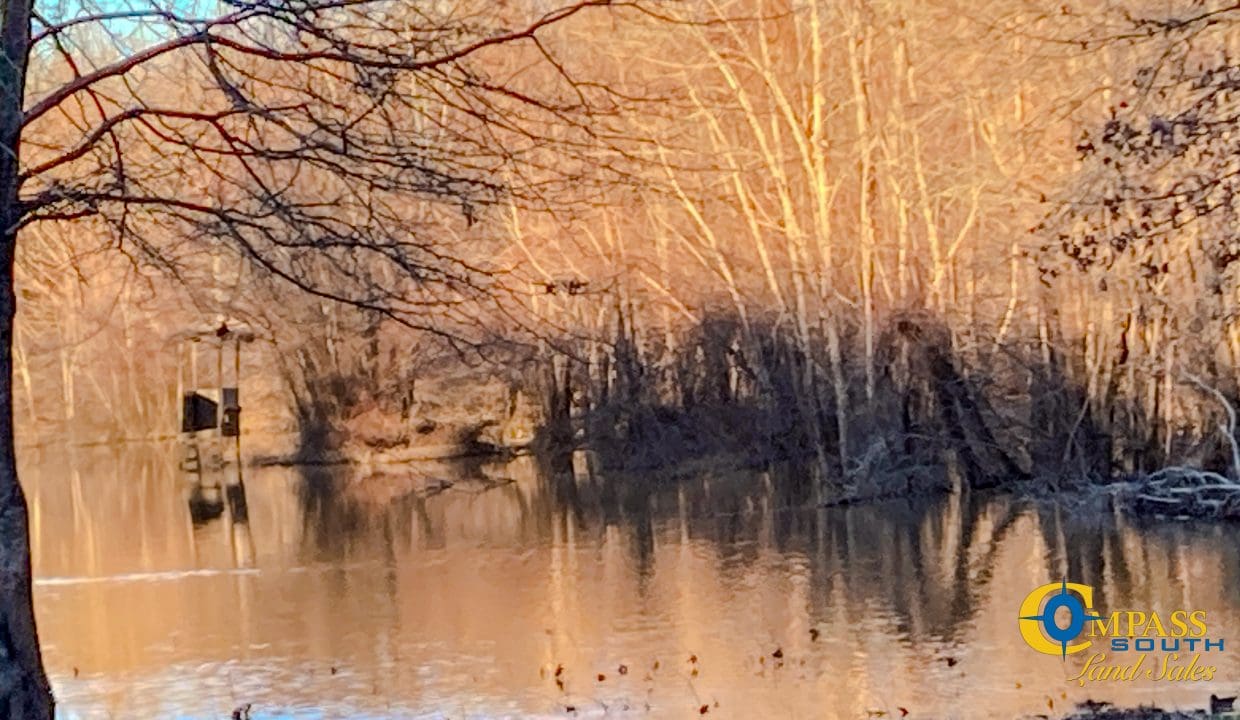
237 384
193 364
179 402
219 368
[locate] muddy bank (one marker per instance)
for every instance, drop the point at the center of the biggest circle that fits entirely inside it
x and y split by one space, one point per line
454 413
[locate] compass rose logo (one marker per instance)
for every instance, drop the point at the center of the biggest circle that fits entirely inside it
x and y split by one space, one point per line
1041 629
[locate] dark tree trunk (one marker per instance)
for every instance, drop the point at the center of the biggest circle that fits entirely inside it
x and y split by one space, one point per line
24 691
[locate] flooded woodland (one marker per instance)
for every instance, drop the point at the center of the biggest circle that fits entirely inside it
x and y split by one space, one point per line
523 589
602 358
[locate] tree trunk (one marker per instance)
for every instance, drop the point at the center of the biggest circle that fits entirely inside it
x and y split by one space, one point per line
24 691
858 65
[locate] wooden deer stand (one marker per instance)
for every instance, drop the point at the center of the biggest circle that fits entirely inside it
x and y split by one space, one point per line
210 412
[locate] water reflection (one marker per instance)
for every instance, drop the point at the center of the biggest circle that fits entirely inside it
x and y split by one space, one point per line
215 493
457 590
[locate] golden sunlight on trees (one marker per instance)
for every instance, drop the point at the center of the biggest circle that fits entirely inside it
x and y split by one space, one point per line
835 195
904 246
301 137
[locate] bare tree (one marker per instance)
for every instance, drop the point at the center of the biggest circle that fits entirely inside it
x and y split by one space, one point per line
1146 230
298 133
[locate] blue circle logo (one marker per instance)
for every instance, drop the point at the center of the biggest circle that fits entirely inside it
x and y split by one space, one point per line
1077 617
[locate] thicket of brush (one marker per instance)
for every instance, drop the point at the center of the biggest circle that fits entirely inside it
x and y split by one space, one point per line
939 415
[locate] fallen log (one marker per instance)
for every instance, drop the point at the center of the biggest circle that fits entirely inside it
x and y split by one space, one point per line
1182 493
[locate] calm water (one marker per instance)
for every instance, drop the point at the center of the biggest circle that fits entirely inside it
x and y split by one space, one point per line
385 595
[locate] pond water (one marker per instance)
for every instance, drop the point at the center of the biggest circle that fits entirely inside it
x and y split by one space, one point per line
536 590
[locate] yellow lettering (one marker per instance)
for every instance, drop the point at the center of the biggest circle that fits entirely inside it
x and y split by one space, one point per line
1179 623
1192 672
1106 628
1096 670
1198 619
1166 666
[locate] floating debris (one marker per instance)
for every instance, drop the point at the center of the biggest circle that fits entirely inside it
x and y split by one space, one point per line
1182 494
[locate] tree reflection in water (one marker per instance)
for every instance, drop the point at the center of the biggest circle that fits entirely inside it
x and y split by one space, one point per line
448 586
